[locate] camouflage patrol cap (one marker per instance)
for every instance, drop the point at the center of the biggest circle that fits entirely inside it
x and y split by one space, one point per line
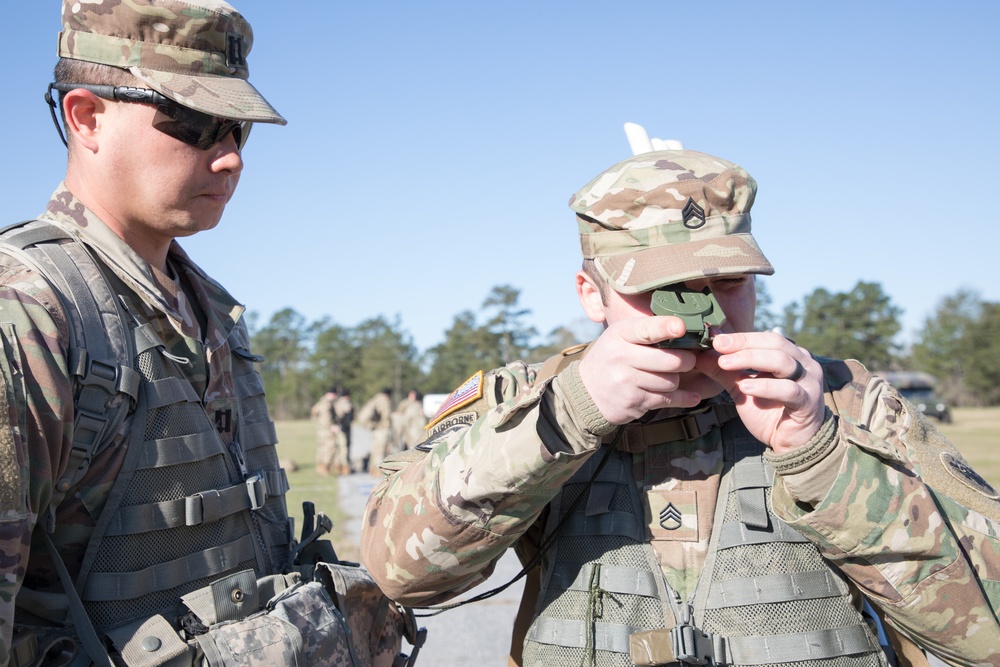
192 51
664 217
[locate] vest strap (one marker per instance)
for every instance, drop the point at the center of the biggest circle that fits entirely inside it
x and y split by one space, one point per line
737 534
179 449
102 587
773 588
690 426
258 435
204 507
613 579
573 634
169 390
622 524
799 646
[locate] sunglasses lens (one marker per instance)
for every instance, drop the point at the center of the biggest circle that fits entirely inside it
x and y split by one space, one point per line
198 129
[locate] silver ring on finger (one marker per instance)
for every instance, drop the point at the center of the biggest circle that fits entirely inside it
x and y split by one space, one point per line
799 371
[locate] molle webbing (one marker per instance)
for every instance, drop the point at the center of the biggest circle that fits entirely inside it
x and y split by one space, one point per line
765 596
802 615
184 510
187 507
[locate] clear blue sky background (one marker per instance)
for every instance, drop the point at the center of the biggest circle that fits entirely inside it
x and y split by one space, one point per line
432 147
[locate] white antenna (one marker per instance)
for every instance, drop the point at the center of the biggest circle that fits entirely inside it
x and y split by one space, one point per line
639 141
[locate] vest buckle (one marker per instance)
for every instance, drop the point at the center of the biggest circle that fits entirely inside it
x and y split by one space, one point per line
257 491
694 647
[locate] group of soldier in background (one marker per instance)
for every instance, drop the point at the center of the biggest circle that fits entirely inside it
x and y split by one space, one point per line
333 414
392 429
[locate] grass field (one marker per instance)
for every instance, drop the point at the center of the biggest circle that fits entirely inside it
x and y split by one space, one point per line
297 443
975 431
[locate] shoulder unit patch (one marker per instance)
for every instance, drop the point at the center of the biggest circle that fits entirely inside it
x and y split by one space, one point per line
468 392
961 471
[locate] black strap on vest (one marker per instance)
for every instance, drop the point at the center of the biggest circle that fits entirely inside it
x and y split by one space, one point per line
105 386
99 375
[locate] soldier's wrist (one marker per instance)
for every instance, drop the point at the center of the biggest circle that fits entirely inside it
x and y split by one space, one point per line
585 412
809 472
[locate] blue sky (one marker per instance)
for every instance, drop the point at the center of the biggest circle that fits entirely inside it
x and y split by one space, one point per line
432 147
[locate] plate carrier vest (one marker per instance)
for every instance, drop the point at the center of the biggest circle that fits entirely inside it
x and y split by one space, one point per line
765 597
186 509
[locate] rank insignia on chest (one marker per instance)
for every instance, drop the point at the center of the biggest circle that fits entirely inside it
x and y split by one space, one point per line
671 515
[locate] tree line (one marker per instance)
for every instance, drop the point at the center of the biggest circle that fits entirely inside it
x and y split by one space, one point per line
959 343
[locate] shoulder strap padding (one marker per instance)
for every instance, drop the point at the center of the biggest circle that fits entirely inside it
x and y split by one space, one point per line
101 346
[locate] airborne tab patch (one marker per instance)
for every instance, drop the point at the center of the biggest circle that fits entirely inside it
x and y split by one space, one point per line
470 391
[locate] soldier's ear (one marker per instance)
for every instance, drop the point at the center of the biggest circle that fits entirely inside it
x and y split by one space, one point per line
84 114
590 297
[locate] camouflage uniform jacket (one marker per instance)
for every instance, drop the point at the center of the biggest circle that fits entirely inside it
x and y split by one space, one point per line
36 428
376 414
885 499
322 412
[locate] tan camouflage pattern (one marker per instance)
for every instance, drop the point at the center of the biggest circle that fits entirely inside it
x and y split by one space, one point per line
668 216
192 51
38 399
376 416
331 443
408 423
438 523
686 476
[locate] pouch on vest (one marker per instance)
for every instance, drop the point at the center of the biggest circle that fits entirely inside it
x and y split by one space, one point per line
342 619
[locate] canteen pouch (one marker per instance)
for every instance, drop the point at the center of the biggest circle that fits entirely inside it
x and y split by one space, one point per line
341 619
299 627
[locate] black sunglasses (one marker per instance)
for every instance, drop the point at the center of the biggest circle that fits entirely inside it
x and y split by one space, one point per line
194 128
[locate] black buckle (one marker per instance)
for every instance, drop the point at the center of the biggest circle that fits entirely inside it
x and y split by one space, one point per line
102 374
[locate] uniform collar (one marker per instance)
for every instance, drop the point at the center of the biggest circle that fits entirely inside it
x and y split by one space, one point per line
222 310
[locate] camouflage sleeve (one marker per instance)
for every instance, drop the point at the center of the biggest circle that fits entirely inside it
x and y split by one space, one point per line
907 520
436 526
35 422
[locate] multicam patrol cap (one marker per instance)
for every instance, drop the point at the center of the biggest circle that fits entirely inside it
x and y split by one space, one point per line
192 51
664 217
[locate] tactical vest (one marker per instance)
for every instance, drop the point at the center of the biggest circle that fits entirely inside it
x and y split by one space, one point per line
765 596
186 509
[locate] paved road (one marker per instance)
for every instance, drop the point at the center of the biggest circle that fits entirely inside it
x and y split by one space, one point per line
476 634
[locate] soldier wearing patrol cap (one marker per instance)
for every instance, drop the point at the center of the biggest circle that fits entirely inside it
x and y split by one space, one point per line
143 516
693 493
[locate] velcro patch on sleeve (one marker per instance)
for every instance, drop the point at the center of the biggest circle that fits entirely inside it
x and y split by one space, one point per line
468 392
964 473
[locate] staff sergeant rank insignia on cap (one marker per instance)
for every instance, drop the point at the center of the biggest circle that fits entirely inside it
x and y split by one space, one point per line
694 215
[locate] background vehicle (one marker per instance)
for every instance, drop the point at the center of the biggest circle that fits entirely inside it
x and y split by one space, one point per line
918 388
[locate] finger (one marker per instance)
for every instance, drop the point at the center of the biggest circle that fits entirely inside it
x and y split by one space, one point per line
778 363
798 373
651 330
792 396
728 343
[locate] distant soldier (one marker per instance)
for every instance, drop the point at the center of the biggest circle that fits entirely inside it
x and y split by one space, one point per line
376 416
327 431
410 420
343 414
